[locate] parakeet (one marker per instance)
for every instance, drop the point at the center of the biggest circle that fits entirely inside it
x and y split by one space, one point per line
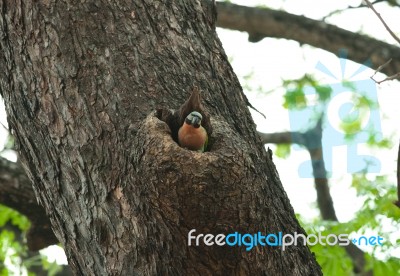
192 135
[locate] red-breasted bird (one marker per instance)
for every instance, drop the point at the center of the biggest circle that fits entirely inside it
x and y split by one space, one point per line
192 135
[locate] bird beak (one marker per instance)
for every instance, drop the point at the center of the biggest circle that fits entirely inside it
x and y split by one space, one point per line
196 122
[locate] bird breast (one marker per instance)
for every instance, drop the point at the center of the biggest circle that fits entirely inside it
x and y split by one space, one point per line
192 138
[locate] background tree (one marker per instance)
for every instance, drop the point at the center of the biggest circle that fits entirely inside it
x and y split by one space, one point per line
264 22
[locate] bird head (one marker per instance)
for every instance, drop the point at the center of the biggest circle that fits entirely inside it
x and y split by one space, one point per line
194 119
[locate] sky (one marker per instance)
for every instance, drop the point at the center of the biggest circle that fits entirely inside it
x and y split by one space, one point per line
272 60
269 66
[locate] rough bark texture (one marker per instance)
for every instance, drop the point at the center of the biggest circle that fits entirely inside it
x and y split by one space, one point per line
81 82
263 22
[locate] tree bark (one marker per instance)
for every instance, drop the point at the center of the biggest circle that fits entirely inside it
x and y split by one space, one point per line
81 82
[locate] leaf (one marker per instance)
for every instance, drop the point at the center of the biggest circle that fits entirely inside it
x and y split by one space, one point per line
324 92
7 214
295 99
282 150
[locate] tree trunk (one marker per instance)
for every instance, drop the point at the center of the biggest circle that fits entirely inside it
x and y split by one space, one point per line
81 82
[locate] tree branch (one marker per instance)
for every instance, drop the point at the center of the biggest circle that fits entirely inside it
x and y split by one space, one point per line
312 141
16 192
263 22
283 138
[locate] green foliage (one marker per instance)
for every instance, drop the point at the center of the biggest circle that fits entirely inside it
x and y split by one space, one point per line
324 92
375 141
386 267
295 97
13 250
379 196
282 150
333 260
8 214
376 213
9 248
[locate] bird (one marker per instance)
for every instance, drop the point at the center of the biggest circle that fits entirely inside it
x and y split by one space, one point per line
191 134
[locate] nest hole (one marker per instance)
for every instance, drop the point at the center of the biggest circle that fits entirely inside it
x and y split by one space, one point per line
172 119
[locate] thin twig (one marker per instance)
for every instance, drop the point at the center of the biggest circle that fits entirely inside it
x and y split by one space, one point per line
392 77
382 66
369 4
4 126
348 8
397 75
